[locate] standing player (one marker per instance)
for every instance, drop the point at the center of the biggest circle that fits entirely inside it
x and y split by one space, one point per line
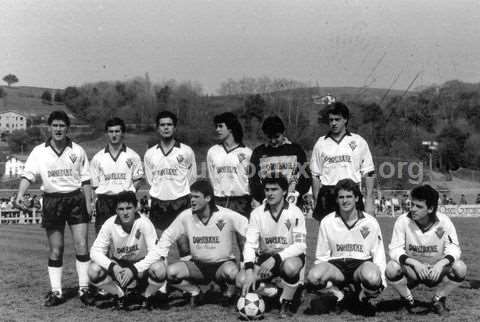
339 155
228 164
170 169
349 250
63 168
425 250
278 156
209 230
130 236
276 244
114 169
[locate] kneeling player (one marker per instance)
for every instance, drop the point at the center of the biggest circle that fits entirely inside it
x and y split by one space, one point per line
209 230
130 236
276 244
349 250
425 250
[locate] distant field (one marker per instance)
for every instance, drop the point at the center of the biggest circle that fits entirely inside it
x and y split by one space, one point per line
24 279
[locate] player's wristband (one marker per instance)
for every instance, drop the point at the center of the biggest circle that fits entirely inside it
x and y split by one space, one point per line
450 259
402 259
249 265
278 260
110 268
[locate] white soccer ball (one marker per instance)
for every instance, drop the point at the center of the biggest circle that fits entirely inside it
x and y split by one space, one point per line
251 306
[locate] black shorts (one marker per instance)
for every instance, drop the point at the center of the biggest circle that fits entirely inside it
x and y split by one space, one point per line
105 207
163 212
59 208
276 270
240 204
348 266
326 202
204 272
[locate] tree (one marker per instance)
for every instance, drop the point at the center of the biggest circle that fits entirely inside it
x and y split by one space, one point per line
58 97
46 96
10 79
2 92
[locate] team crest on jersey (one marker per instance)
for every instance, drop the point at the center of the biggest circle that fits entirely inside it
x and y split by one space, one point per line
73 157
353 145
129 163
440 232
288 224
138 234
241 157
180 158
364 231
220 224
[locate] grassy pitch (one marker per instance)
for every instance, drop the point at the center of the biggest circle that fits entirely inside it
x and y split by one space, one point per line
24 281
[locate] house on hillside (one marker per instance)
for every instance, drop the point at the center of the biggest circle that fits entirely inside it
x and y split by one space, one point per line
11 121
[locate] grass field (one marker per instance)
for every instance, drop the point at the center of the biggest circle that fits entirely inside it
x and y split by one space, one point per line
24 282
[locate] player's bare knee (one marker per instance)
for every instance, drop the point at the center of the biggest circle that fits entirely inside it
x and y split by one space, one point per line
370 277
173 274
229 272
316 274
56 253
158 271
290 268
393 271
240 279
459 271
96 273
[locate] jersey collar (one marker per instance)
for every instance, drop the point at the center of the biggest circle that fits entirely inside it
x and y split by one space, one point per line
285 141
286 205
360 216
176 144
49 144
122 149
212 212
329 135
228 151
424 230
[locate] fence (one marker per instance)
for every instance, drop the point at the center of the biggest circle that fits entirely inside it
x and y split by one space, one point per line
15 216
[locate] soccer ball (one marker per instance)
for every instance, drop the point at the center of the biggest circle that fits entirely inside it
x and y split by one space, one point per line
251 306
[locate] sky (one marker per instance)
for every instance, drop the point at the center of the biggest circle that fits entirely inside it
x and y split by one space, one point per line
374 43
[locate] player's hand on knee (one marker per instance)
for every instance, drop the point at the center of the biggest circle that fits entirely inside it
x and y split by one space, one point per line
423 271
435 271
127 277
266 268
117 271
250 281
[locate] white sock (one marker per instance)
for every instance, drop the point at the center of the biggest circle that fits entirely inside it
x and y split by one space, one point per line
402 288
153 287
109 286
55 275
82 272
288 291
186 286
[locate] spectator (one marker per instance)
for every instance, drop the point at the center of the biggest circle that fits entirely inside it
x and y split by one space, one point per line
478 199
444 200
462 201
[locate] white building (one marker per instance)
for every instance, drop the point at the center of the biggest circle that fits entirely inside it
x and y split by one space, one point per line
11 121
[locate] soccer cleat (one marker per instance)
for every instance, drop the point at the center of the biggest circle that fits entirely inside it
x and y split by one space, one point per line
87 296
54 298
339 306
367 308
285 309
438 305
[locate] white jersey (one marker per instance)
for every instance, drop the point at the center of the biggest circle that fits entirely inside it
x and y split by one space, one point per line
362 241
112 175
285 235
171 173
429 246
228 170
209 243
60 172
132 247
333 161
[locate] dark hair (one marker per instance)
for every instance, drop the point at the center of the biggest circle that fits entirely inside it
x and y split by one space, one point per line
114 122
205 187
166 114
232 124
281 180
349 185
128 197
273 125
428 194
60 116
338 108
